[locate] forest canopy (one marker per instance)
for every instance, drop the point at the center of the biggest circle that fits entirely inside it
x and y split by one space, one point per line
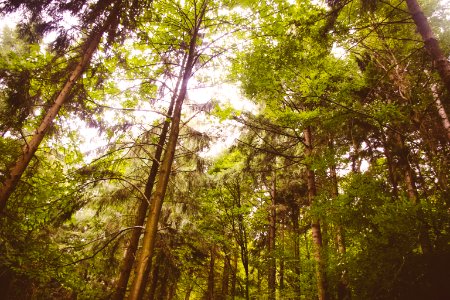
203 149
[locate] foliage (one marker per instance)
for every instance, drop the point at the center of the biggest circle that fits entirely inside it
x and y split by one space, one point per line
378 153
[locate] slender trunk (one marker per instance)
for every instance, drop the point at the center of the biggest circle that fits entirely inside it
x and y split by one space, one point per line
258 281
162 294
155 276
282 227
343 289
391 169
412 193
271 241
130 255
441 111
356 162
188 293
172 291
315 223
297 270
234 275
244 254
30 148
225 276
241 236
157 199
210 289
431 43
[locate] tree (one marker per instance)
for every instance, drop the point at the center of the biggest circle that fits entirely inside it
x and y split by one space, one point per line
89 46
156 201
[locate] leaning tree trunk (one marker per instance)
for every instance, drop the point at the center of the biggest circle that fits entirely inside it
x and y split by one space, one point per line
431 43
315 223
148 243
441 111
130 255
30 148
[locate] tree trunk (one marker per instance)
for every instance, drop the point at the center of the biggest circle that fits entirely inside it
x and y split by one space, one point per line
411 191
234 274
431 44
282 241
188 293
441 111
244 252
155 275
210 289
30 148
271 281
157 199
343 289
225 276
130 255
315 223
297 270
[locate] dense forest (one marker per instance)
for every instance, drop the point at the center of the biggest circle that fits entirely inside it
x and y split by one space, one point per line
218 149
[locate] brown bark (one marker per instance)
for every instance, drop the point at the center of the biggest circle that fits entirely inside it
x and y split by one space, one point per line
441 111
390 165
315 223
148 243
210 289
130 255
234 275
411 191
241 235
431 43
282 241
188 293
155 275
28 151
343 289
297 270
271 241
225 276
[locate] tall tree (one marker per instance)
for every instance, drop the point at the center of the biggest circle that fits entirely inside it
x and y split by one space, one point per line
442 63
88 48
148 243
142 210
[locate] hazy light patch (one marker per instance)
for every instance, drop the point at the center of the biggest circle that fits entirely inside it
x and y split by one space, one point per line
338 51
11 20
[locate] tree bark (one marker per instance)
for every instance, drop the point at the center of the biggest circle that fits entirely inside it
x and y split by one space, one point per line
30 148
210 289
297 270
343 289
411 191
244 247
225 276
271 280
155 275
234 274
282 241
130 255
148 243
315 223
441 111
431 43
